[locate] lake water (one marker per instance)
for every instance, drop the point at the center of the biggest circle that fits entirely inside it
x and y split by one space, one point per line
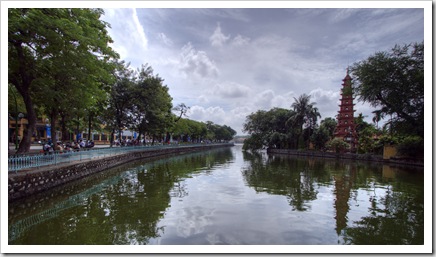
227 196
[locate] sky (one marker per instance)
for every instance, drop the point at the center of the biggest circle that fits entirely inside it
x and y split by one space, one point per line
225 63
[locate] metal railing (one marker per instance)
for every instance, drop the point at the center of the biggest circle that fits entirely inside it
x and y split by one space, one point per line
25 162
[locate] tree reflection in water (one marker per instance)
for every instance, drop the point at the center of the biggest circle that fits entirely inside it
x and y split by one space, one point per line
285 200
126 211
394 197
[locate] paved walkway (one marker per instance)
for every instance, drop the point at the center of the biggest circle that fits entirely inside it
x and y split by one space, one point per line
29 162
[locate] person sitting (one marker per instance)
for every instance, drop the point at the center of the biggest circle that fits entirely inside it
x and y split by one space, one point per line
59 147
76 146
46 148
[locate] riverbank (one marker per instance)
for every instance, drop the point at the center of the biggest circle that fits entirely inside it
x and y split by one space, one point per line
350 156
33 181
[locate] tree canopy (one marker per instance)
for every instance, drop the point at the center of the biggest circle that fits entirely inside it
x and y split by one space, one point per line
268 129
54 53
282 128
393 82
62 67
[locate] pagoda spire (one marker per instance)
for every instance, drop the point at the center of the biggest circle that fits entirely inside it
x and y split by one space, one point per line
346 128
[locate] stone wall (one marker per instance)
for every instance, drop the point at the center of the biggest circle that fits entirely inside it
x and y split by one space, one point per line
29 182
352 156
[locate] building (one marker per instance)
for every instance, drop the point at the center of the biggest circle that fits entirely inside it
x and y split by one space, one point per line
43 132
346 128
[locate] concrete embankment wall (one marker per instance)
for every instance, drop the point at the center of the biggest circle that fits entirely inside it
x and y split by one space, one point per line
29 182
361 157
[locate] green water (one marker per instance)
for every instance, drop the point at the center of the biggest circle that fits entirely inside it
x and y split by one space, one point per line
226 196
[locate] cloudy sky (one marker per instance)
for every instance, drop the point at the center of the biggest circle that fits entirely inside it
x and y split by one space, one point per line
226 63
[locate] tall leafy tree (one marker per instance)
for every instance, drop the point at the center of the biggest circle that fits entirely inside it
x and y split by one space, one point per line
305 115
152 104
267 128
120 100
329 124
324 133
52 52
393 82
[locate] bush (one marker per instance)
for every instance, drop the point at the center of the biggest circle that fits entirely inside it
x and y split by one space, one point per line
338 145
411 146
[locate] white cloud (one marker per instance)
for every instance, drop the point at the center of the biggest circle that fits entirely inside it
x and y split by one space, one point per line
322 96
231 90
139 29
215 114
240 40
257 58
342 14
283 101
196 63
203 99
218 38
128 35
264 99
165 39
269 99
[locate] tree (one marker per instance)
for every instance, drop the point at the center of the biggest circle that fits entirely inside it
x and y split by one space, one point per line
52 51
329 124
224 133
338 145
120 100
324 133
394 82
183 109
305 115
151 104
320 137
267 128
367 135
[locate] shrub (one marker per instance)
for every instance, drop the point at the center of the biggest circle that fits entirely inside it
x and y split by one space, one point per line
338 145
411 146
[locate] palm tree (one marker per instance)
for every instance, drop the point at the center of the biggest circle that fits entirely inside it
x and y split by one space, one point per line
305 114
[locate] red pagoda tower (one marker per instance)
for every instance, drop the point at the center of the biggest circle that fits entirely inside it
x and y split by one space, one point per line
346 129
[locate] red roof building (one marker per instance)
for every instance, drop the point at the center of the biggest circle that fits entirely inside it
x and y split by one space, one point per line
346 128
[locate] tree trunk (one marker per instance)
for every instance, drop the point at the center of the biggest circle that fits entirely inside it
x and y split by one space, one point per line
53 121
89 126
167 137
26 141
65 133
111 139
22 84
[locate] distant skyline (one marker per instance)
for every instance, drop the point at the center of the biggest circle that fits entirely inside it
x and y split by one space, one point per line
228 63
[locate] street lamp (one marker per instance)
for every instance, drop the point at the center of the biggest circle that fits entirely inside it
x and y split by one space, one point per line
19 116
